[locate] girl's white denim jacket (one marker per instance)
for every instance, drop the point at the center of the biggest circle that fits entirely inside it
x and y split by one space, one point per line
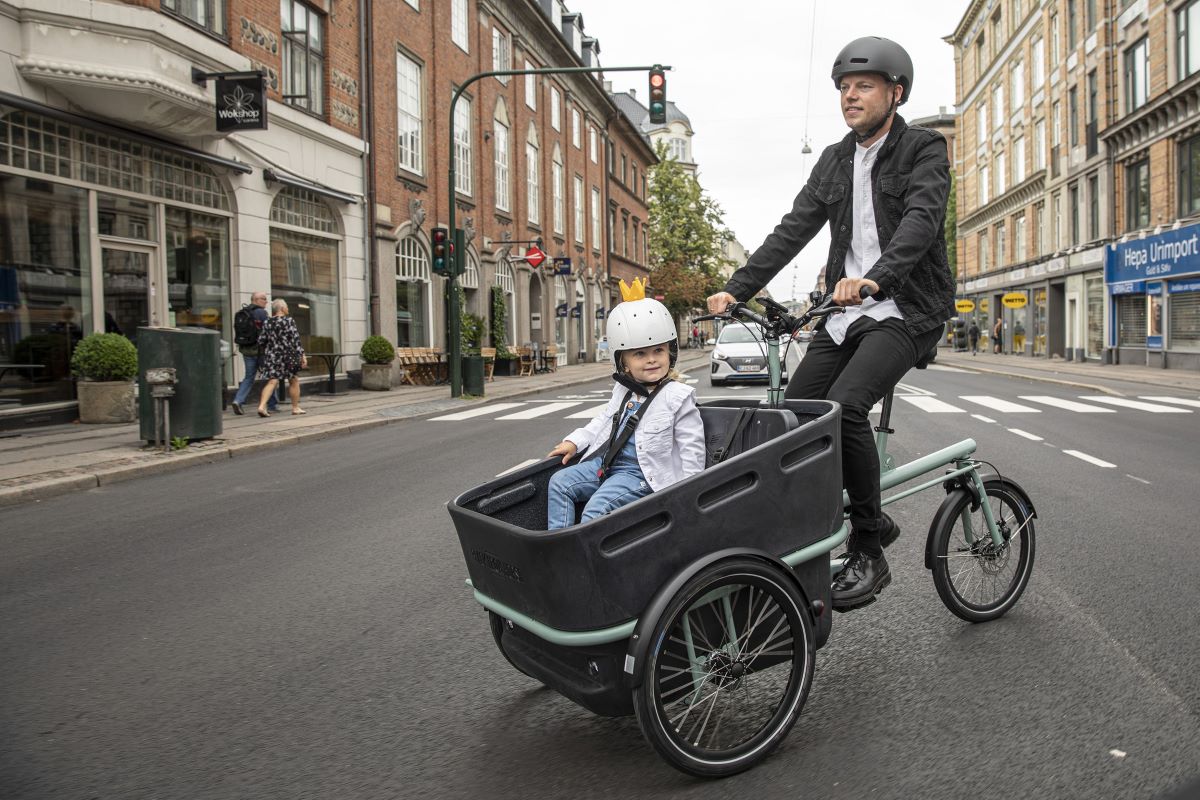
669 439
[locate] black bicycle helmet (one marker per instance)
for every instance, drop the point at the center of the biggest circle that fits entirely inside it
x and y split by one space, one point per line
875 54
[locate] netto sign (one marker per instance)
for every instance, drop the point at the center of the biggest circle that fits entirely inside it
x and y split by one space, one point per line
241 102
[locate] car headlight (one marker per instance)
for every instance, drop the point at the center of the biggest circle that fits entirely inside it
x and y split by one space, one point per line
718 355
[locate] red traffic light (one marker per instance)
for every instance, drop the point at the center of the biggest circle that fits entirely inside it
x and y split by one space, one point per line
658 96
657 79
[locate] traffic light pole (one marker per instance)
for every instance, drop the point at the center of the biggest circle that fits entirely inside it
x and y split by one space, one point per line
455 318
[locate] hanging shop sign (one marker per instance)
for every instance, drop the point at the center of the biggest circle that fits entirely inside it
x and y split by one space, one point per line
241 101
562 266
601 312
560 310
964 306
1014 300
577 311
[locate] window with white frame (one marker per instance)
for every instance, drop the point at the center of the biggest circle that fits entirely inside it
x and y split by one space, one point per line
1187 39
1137 75
555 109
408 114
462 145
998 106
533 188
556 187
1055 47
678 149
981 126
303 56
1039 144
1018 86
501 53
578 208
983 184
531 87
208 14
1020 253
593 147
413 297
984 264
1001 245
1001 173
458 24
576 139
503 186
1056 221
1018 165
1037 63
507 284
595 218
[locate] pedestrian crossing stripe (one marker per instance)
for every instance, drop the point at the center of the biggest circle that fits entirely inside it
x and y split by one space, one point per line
585 409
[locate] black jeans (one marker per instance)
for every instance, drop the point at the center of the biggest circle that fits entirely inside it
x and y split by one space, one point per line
857 373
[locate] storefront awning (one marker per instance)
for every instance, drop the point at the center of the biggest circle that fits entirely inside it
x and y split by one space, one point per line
85 122
271 176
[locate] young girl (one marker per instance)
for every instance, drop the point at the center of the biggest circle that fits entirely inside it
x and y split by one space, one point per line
648 437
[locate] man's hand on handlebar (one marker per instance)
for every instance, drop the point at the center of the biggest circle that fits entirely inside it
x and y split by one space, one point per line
848 291
720 301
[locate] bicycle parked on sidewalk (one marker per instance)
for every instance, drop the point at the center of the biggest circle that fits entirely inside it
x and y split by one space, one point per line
700 608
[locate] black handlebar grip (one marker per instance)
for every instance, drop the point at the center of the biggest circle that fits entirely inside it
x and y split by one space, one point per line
864 292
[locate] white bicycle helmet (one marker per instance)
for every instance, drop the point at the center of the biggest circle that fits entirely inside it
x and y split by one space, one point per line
640 322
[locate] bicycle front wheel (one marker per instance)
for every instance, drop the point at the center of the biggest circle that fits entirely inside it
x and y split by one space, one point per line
977 579
729 669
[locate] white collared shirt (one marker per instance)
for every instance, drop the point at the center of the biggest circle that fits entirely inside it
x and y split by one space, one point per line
864 245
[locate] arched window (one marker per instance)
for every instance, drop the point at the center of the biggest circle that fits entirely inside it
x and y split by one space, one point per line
579 312
508 288
304 266
413 310
560 316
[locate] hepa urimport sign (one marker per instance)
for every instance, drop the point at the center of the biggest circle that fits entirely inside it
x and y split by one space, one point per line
241 102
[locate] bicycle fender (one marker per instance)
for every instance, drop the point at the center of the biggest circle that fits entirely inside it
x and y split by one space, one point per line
640 641
952 499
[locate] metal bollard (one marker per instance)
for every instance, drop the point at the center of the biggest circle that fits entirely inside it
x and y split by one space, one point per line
161 381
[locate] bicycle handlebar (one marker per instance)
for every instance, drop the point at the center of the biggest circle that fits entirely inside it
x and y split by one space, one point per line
777 320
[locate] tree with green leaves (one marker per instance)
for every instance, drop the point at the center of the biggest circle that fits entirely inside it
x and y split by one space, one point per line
687 232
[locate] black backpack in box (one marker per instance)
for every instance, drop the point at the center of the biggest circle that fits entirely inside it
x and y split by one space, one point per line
245 331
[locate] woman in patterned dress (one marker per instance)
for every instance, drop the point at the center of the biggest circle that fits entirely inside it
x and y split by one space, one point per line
280 356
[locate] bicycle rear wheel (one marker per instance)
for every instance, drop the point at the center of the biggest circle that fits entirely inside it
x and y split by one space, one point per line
729 669
976 579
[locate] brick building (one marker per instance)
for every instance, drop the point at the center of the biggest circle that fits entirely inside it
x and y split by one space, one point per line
122 206
1076 134
546 157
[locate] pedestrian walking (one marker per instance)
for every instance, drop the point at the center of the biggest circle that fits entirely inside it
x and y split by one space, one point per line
696 342
247 325
998 336
883 191
973 336
281 356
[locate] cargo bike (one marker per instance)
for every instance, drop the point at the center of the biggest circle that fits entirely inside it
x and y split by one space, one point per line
700 608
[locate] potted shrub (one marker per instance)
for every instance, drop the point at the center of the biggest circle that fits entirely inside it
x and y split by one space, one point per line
506 360
106 364
377 355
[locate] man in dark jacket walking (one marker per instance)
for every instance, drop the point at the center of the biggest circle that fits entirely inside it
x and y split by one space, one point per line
250 356
883 191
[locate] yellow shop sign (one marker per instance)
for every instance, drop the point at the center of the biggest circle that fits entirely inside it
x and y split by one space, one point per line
1014 300
963 306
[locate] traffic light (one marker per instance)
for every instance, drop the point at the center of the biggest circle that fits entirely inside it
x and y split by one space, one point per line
442 252
658 96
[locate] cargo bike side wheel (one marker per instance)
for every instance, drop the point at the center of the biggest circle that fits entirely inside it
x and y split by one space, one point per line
978 579
728 668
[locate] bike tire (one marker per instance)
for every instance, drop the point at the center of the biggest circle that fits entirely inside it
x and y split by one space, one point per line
964 571
766 692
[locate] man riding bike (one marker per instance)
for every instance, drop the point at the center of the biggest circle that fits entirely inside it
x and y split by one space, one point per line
883 190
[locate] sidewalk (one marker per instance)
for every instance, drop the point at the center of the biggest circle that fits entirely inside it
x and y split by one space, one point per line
44 462
1087 375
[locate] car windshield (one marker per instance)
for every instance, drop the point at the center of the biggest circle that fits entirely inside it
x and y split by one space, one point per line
739 334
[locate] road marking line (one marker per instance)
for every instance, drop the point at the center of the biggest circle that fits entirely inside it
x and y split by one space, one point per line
982 418
1126 403
522 465
1069 405
1090 459
932 405
690 381
1025 434
909 389
588 413
996 404
944 368
1183 401
1136 478
540 411
475 412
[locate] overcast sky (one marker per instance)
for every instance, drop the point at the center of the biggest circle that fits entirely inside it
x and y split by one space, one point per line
741 74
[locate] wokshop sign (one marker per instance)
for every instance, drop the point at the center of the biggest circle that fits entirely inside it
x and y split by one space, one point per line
1171 254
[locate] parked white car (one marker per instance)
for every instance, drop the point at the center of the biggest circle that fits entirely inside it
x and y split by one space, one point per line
740 354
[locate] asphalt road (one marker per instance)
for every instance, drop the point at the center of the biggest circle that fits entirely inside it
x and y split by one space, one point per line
295 624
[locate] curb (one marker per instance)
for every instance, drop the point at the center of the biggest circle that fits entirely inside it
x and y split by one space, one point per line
42 489
1036 377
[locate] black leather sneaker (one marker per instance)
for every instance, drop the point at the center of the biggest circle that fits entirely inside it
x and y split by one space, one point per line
859 582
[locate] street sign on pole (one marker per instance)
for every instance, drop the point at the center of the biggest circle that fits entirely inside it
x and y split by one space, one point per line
535 257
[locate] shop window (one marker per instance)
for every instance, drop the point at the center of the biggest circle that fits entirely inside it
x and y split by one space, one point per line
1131 320
1094 290
304 267
1184 312
197 257
303 56
412 293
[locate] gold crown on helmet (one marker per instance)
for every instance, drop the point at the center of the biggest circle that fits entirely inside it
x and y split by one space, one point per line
634 291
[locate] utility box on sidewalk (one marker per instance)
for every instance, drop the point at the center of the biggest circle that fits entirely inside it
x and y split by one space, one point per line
195 355
472 374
